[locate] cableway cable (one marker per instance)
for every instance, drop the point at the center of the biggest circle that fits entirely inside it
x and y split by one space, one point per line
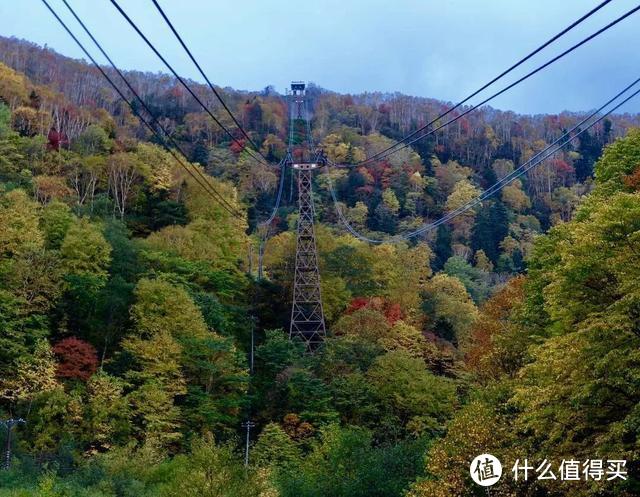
547 152
282 166
216 196
182 81
204 75
154 118
401 144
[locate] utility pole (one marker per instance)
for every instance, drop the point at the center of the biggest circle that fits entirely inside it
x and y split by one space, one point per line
248 425
261 257
9 424
253 340
307 315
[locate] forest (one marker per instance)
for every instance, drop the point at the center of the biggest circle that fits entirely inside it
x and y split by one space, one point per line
129 301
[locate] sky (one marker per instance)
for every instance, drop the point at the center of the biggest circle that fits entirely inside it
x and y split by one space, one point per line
443 49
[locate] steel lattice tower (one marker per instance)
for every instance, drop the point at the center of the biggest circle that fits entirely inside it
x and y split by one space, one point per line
307 315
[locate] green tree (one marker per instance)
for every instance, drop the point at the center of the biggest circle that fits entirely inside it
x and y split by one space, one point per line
345 463
20 332
212 471
157 352
491 227
474 430
463 192
588 365
107 415
449 307
474 280
55 221
412 393
275 447
19 230
92 141
35 374
5 120
85 252
619 160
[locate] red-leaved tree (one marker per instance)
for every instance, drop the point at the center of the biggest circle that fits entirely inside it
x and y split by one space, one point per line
391 311
77 359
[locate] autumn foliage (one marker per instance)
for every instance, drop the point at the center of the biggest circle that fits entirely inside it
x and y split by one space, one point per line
486 356
77 359
237 146
391 311
633 180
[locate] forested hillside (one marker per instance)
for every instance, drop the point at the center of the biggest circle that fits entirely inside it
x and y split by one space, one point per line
128 298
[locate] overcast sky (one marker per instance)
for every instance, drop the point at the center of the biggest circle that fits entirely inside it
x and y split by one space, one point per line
443 49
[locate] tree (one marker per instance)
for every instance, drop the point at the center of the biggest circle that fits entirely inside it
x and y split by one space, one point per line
598 269
77 359
352 262
85 252
93 141
403 336
275 447
307 396
213 236
401 275
497 345
346 462
367 324
473 279
20 332
482 261
619 160
442 249
514 197
13 86
84 175
589 150
450 309
5 121
34 375
391 310
157 167
27 121
48 188
491 227
335 296
412 393
55 220
474 430
153 404
358 215
213 471
578 392
107 413
162 315
352 393
386 213
216 374
161 307
449 175
123 170
177 354
19 231
462 193
35 280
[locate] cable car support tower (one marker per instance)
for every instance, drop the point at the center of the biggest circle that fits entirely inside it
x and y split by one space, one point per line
307 315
